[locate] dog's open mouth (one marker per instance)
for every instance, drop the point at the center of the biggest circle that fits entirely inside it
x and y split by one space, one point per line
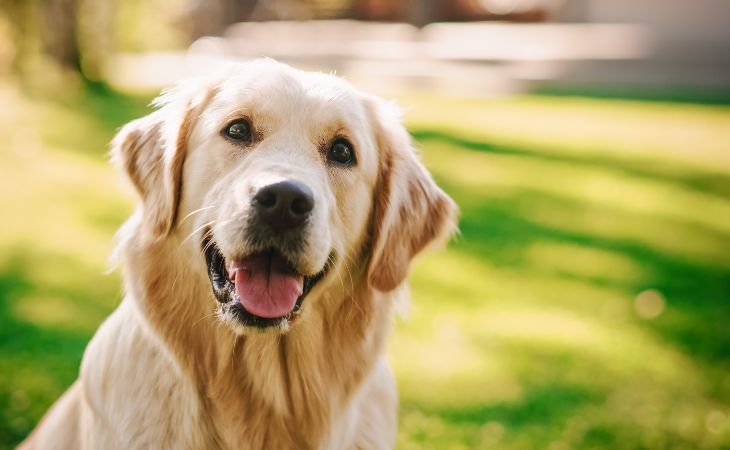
262 289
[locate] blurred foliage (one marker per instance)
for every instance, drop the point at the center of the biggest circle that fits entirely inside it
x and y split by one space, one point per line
53 42
584 305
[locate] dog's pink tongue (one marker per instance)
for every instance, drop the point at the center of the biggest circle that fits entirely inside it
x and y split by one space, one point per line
266 286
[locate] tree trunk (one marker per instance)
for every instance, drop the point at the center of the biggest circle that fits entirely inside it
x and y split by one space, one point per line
59 32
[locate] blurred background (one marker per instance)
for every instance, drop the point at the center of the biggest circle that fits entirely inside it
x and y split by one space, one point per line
585 304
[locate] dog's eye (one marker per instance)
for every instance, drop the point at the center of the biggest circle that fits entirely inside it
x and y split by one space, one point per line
239 130
341 152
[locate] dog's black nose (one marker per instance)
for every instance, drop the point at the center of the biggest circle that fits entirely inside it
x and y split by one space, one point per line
284 205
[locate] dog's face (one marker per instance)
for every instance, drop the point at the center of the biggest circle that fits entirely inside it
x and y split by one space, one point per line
286 164
283 183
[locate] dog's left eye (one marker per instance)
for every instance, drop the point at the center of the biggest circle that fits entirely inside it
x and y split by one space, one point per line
342 153
239 130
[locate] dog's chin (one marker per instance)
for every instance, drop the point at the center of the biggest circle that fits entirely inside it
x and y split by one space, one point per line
260 292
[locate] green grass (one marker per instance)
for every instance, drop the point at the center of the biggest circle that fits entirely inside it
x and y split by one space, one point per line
584 305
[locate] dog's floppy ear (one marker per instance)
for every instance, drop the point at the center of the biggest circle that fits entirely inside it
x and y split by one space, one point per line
410 210
151 151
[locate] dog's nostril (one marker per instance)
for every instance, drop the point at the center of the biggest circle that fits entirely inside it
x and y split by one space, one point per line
302 205
266 198
284 205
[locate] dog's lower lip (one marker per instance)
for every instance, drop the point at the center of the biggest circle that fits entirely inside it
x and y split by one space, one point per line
224 288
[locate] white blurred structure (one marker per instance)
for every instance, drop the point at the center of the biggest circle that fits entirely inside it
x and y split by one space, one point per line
665 43
690 42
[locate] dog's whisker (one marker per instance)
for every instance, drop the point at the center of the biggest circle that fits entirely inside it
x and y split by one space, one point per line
347 264
208 244
353 304
194 232
171 288
213 225
222 223
341 279
192 213
207 316
233 352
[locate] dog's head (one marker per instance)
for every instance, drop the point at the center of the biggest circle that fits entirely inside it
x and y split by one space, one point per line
281 184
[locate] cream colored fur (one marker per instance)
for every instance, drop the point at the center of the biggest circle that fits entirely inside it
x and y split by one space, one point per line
166 370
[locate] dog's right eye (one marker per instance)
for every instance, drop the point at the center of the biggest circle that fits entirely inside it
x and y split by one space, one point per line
342 153
238 130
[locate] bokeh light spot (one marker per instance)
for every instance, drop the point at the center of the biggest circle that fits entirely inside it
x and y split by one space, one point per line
716 422
649 304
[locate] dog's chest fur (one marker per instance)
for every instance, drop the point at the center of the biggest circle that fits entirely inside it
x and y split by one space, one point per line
254 391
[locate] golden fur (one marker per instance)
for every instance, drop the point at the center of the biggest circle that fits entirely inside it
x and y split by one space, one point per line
163 371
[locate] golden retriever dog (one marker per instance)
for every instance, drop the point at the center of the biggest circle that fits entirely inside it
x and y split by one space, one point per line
279 212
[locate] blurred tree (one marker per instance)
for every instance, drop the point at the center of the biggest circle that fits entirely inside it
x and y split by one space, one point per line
52 39
62 35
58 31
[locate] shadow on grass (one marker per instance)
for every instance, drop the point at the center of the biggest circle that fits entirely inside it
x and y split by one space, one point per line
554 414
695 95
663 170
541 416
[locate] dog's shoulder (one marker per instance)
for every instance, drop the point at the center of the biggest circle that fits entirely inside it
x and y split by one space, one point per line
125 365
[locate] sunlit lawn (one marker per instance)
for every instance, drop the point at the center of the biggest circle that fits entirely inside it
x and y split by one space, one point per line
585 304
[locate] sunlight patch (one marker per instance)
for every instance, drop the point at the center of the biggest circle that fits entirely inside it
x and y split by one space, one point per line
48 311
543 325
583 261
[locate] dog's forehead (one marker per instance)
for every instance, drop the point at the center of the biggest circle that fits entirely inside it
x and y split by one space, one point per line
269 89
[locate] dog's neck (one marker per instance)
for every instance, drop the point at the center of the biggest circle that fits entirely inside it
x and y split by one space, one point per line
279 391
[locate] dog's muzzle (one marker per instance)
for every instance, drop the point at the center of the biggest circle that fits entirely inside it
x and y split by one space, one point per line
264 288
